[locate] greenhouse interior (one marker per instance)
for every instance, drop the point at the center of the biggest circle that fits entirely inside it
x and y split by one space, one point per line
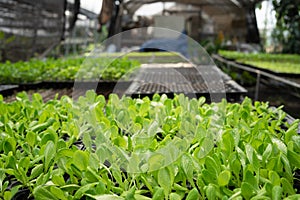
148 99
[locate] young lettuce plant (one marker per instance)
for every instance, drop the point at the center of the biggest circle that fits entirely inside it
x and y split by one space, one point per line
157 148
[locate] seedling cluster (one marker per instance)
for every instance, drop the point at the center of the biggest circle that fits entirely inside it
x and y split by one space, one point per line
157 148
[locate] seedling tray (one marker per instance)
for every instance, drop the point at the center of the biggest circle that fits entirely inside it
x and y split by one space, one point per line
48 89
186 80
287 75
155 78
6 90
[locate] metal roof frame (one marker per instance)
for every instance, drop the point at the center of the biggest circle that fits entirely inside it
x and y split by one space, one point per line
219 6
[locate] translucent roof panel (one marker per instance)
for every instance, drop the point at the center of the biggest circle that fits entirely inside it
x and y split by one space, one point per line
215 6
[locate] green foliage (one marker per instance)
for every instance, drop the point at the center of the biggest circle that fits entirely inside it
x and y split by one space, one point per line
210 47
66 70
283 63
213 46
287 29
141 149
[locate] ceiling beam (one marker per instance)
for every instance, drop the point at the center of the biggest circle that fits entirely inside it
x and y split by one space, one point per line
224 5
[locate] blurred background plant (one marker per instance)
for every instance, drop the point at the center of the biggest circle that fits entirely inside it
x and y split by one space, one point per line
287 30
214 46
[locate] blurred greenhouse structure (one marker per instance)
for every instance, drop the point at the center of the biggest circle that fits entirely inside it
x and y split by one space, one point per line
149 99
39 26
36 27
54 29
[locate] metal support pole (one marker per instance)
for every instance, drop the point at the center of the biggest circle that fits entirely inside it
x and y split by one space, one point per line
228 66
96 39
74 40
257 85
86 41
36 23
67 47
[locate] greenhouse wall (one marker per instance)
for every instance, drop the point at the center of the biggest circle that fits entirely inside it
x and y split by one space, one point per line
29 26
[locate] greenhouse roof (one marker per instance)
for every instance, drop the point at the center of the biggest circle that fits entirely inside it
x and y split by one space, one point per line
215 7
